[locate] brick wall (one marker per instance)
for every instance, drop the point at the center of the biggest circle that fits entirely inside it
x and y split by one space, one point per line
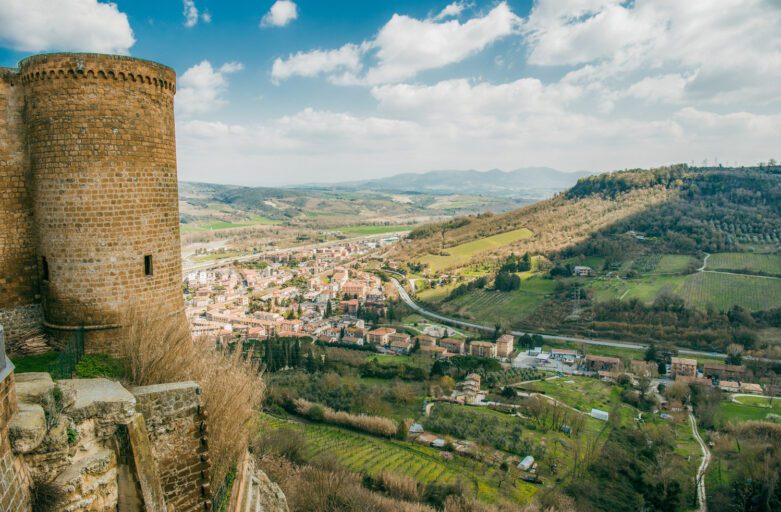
13 495
18 276
177 431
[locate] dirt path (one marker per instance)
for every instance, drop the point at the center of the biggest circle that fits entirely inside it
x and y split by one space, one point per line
706 456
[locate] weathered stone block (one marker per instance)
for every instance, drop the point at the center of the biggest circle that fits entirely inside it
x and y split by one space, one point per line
27 428
99 398
34 387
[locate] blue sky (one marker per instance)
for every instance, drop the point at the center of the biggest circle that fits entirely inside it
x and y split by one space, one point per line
291 91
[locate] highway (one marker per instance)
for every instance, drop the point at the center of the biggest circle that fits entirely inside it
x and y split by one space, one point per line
588 341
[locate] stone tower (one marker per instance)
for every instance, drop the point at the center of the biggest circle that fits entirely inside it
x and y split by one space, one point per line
89 220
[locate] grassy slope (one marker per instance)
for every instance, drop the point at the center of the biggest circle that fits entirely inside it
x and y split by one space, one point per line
557 223
735 261
461 254
361 452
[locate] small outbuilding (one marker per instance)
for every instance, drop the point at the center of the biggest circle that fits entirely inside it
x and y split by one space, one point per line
600 415
526 464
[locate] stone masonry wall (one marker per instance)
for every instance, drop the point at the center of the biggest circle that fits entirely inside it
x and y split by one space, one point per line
177 430
18 272
13 494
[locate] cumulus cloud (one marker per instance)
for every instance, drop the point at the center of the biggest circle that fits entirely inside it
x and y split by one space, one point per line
280 14
202 88
192 14
612 84
451 11
316 62
68 25
731 53
406 46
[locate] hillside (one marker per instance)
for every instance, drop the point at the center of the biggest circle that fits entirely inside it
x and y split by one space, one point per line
531 182
645 235
206 206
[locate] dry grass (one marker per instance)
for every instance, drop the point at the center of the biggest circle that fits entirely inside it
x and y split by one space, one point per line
161 351
376 425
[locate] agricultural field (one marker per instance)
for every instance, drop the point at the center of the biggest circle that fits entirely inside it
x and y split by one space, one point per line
582 393
746 261
722 291
255 220
644 289
491 307
745 408
370 229
460 255
675 264
364 453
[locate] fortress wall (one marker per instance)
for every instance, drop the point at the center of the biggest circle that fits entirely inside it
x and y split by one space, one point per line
18 269
177 431
100 134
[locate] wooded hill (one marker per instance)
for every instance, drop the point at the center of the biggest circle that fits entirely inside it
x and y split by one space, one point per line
676 209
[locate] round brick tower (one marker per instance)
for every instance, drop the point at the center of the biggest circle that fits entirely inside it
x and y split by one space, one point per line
99 132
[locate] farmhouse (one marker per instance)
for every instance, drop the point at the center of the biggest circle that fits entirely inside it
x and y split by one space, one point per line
582 271
399 337
426 341
401 345
436 350
566 356
504 345
452 345
719 371
380 336
602 363
482 349
683 367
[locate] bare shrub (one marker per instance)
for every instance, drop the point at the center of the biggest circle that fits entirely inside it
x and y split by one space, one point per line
396 485
160 351
373 424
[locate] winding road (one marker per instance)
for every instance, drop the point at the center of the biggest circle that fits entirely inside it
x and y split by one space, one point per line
702 503
588 341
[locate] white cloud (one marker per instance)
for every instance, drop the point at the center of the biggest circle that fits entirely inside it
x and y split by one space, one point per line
453 10
192 14
406 46
313 63
202 88
68 25
627 84
732 53
280 14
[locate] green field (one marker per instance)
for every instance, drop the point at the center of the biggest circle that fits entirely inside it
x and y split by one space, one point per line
370 229
722 291
364 453
748 408
700 290
460 255
256 220
645 288
674 263
753 262
491 307
582 393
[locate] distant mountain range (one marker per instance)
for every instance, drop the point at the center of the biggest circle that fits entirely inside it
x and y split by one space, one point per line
536 182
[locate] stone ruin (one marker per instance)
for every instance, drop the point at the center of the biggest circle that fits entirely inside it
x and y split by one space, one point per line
95 445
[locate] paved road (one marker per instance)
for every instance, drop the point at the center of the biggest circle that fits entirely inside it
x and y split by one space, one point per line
706 456
588 341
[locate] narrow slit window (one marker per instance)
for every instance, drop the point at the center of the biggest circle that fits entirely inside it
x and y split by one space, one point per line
148 265
45 268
